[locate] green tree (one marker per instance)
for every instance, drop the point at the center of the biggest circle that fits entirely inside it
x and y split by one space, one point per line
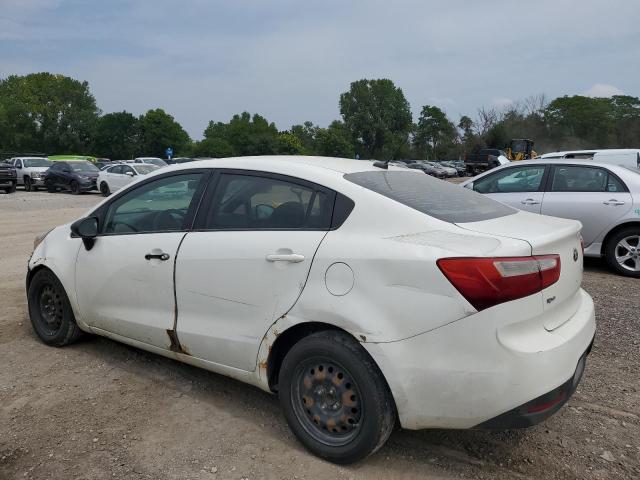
117 136
378 116
306 133
245 135
434 133
48 113
580 121
158 131
334 141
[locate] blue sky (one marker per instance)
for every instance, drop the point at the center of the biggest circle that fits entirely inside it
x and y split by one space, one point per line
289 60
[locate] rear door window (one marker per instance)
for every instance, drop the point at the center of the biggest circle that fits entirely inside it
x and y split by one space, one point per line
576 178
436 198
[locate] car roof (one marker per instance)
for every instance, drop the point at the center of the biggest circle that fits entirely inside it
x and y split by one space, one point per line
611 151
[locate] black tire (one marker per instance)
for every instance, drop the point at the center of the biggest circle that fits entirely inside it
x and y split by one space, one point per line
27 184
334 397
104 189
11 188
50 311
50 187
74 187
613 249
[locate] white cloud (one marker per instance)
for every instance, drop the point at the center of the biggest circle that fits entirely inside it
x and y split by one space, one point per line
603 90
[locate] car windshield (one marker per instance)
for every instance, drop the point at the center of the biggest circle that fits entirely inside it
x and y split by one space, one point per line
436 198
156 161
143 169
83 167
37 162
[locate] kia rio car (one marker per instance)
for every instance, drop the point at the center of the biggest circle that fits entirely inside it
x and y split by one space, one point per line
361 294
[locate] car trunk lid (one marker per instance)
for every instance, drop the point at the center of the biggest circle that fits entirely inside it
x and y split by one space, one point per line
546 236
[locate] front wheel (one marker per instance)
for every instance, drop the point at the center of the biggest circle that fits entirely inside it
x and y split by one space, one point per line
75 188
27 184
334 397
11 188
104 189
622 252
50 311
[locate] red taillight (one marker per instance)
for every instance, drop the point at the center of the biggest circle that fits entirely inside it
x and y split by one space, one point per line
486 282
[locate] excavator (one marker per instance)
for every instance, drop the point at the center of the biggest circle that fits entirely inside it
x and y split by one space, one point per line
520 149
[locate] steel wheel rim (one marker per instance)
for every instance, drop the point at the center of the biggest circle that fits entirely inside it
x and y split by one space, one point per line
627 253
327 401
50 304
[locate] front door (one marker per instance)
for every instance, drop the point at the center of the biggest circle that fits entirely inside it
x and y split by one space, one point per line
124 284
589 194
518 186
248 264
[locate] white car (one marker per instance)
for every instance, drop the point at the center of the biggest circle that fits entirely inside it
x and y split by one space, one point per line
114 177
30 171
149 160
360 294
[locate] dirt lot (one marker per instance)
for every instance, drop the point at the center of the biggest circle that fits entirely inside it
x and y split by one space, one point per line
99 409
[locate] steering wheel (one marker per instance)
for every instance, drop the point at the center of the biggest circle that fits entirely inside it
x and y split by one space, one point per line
130 227
167 216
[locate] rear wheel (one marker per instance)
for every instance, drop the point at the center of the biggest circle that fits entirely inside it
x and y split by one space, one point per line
335 398
50 311
75 188
104 189
622 252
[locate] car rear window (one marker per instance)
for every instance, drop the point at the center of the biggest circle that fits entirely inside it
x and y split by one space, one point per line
439 199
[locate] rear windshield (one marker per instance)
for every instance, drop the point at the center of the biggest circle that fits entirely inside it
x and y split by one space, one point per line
439 199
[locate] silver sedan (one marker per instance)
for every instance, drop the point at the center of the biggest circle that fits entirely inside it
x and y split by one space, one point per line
605 198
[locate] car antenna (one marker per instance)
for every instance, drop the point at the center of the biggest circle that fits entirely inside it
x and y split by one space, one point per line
382 164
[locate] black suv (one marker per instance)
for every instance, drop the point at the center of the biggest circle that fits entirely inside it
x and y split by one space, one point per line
8 177
77 176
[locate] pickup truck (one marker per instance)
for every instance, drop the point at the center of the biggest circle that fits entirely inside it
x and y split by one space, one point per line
484 160
8 177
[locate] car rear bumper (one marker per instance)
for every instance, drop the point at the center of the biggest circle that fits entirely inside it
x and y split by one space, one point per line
478 368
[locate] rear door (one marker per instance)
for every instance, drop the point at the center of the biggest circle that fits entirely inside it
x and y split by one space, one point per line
592 195
520 186
248 263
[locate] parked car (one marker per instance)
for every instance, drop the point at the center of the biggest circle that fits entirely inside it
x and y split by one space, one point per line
173 161
8 179
485 159
626 157
76 176
150 160
114 177
356 293
447 171
30 171
604 198
459 167
428 169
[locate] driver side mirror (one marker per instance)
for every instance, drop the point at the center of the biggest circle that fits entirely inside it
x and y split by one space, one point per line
87 229
469 186
129 174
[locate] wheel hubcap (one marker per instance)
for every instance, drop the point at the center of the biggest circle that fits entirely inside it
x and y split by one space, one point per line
327 402
51 309
628 253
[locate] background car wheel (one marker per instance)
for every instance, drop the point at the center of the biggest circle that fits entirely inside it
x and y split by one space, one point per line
622 252
75 188
27 184
50 311
335 398
10 189
104 189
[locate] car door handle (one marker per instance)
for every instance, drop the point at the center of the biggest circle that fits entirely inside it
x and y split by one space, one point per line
613 202
288 257
159 256
530 201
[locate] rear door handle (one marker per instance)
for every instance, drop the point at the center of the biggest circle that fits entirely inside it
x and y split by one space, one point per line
530 201
158 256
288 257
613 202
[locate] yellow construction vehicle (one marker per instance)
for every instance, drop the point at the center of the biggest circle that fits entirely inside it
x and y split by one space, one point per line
520 149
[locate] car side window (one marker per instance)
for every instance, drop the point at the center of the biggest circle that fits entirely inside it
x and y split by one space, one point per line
18 163
615 185
510 180
117 169
576 178
158 206
250 202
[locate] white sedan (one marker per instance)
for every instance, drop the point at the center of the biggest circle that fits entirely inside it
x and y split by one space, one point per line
115 177
359 293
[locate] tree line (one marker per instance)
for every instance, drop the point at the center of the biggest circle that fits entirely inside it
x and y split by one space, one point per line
54 114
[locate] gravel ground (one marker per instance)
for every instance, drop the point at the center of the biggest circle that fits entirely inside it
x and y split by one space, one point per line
99 409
